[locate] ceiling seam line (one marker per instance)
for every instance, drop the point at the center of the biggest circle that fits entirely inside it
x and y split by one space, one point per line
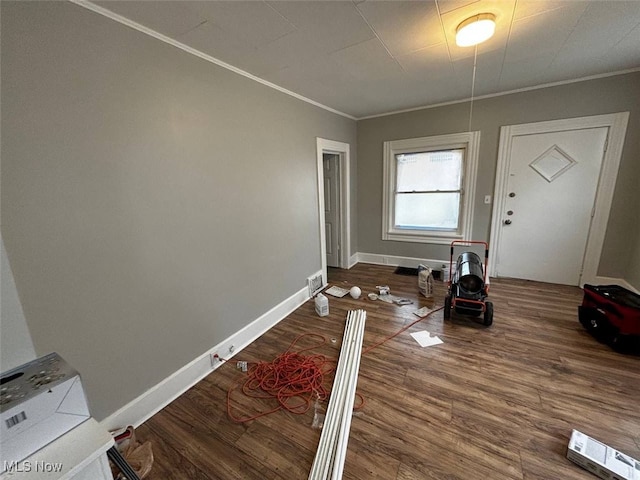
626 35
378 37
555 57
506 47
295 27
444 32
204 22
349 46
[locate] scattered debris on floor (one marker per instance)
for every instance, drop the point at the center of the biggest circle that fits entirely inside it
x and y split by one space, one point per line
138 456
336 291
394 299
355 292
423 312
425 339
319 413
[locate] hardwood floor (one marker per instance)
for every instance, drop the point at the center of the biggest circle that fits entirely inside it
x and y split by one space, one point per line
489 403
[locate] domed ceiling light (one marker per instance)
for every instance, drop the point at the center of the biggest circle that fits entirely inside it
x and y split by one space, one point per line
476 29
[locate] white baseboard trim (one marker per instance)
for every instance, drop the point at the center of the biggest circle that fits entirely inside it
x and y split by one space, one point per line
159 396
411 262
615 281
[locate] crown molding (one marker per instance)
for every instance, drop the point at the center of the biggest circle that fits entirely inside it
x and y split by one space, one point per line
507 92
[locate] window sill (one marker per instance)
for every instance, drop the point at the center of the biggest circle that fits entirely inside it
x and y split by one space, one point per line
444 238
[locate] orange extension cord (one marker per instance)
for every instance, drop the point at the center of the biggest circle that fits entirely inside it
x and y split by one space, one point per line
294 380
291 378
368 349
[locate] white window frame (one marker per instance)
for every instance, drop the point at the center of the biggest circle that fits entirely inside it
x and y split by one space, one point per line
470 141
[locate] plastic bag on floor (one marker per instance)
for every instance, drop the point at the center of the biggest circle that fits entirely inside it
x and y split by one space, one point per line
318 415
138 455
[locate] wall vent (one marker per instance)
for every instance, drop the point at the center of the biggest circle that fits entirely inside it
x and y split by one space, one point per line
314 283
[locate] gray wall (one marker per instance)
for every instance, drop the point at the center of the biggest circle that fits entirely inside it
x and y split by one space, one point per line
153 203
607 95
633 183
16 346
633 271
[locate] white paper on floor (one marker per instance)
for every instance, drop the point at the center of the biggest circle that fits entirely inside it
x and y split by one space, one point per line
337 291
425 339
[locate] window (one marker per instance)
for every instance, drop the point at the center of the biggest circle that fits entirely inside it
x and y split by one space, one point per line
429 185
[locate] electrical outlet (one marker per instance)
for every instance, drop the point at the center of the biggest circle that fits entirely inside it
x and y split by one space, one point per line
215 359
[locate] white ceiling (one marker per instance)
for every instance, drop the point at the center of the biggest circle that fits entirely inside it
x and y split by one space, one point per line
365 58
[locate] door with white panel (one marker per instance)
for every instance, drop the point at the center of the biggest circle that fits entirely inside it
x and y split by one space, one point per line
548 204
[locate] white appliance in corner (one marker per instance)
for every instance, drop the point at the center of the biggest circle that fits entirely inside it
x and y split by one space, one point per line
39 402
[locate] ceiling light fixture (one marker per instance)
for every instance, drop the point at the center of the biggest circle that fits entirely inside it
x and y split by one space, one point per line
476 29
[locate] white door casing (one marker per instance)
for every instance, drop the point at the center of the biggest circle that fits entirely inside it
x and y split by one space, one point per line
332 208
556 233
342 150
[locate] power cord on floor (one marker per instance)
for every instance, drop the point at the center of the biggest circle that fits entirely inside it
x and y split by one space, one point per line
292 379
403 329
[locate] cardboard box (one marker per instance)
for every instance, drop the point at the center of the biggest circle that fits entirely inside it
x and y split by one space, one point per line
600 459
39 402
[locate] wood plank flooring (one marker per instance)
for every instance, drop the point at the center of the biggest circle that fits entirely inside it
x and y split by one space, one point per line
489 403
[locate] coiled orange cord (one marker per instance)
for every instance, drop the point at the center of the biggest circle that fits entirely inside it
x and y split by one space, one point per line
294 380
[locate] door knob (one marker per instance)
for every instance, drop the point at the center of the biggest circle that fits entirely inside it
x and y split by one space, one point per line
507 222
512 194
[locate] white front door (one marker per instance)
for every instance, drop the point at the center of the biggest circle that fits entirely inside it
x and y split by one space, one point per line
332 208
548 203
